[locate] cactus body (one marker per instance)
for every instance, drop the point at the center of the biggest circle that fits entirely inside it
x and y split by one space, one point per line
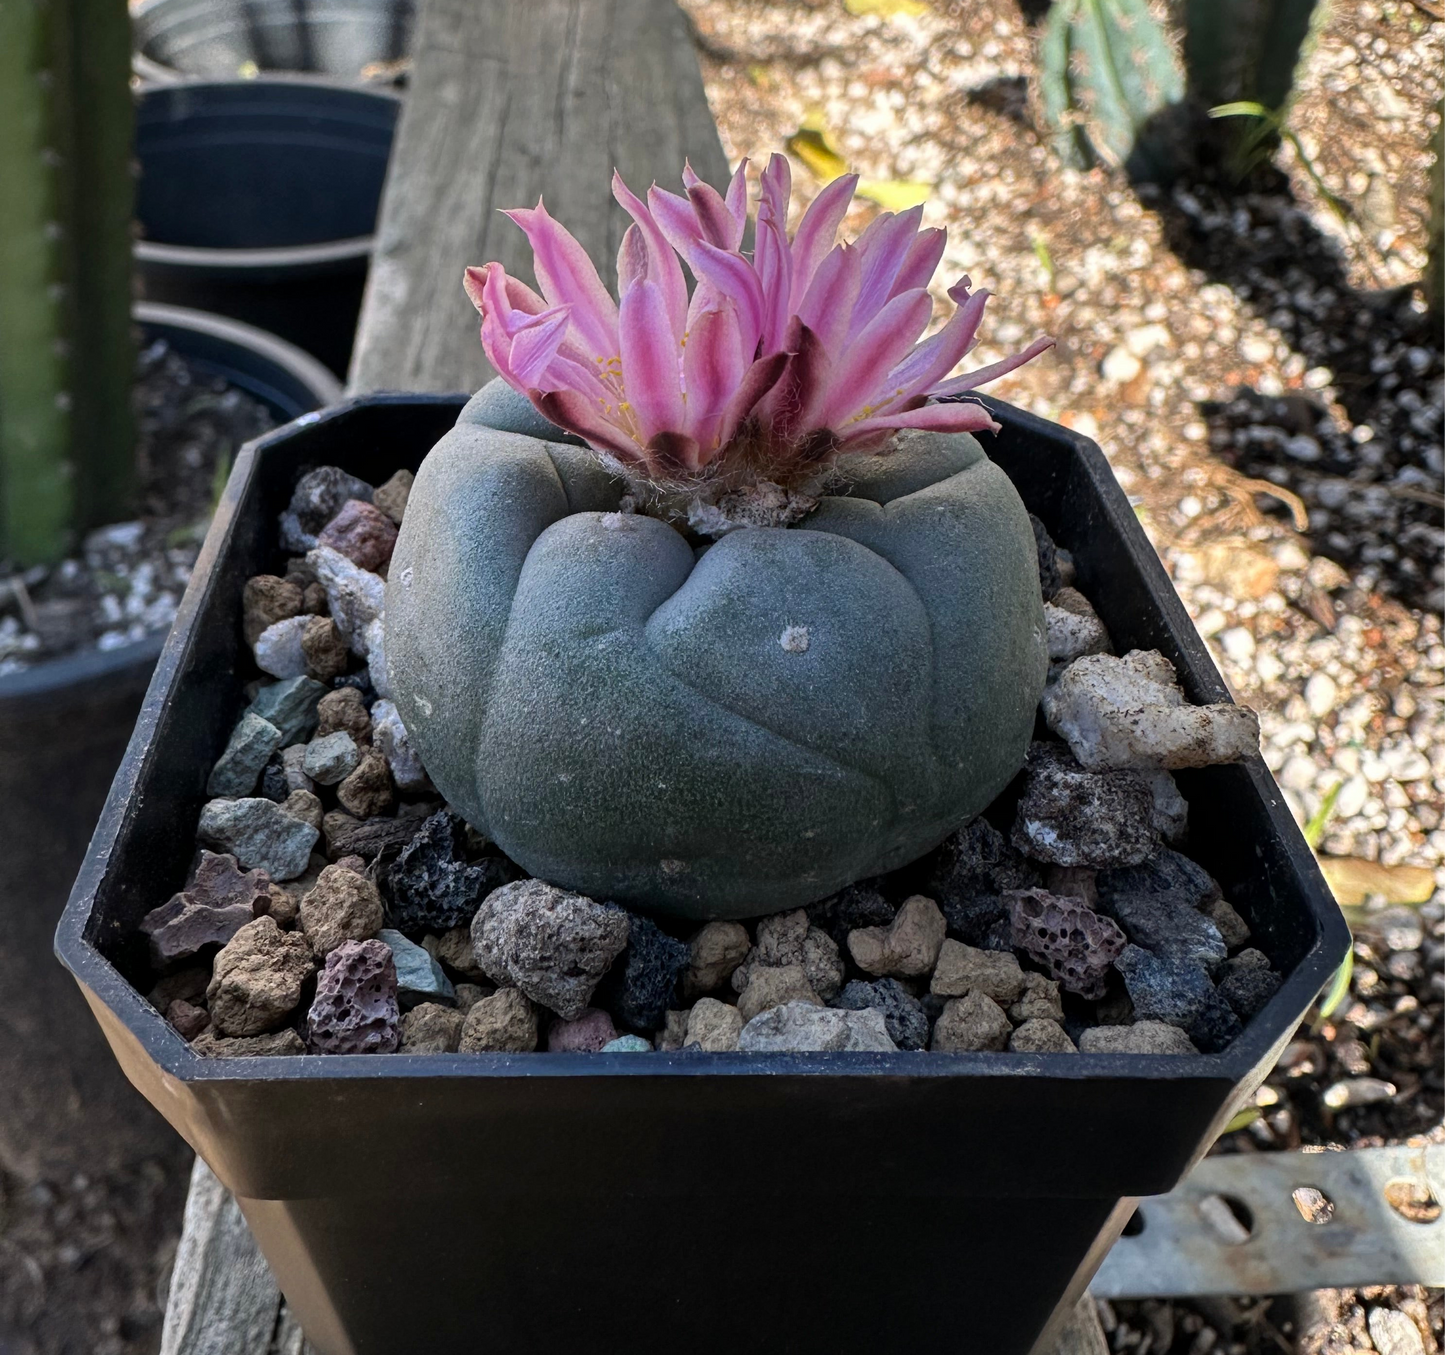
1246 50
66 359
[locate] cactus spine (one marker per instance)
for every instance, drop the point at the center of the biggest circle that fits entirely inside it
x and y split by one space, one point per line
66 352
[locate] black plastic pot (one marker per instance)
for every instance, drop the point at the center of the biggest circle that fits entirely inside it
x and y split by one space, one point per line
257 199
220 39
680 1202
63 728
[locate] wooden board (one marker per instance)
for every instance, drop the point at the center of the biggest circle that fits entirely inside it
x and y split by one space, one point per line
511 100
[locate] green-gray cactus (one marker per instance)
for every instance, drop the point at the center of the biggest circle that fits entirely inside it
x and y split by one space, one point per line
66 359
1246 51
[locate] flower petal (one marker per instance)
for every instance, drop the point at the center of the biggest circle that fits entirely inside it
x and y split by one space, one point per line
535 344
650 361
792 407
827 308
934 358
816 232
972 380
735 204
921 261
578 414
660 263
733 277
713 363
966 417
567 278
757 381
860 375
677 219
882 248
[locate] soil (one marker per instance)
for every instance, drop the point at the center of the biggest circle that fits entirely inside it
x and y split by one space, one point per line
126 580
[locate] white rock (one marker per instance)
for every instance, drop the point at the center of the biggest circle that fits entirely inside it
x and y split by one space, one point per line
1298 773
1238 645
800 1027
278 648
1130 712
1171 809
1321 693
375 651
1072 634
1144 340
389 734
1120 366
1393 1333
1268 667
1352 797
354 595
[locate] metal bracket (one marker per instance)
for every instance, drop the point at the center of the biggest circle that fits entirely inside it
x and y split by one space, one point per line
1282 1223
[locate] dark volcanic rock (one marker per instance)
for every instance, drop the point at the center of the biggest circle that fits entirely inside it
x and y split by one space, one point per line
641 985
365 535
433 889
1170 929
857 905
1072 817
355 1011
318 497
1166 872
903 1014
1049 580
1179 994
1247 989
973 871
1072 942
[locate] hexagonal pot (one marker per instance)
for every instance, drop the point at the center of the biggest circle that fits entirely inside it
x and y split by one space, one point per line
680 1202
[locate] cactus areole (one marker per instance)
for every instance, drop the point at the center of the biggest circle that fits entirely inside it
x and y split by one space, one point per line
707 605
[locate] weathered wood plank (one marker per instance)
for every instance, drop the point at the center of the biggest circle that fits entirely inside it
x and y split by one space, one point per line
511 100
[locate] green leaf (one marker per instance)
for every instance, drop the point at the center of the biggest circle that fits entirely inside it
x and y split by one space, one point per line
1243 1119
1339 990
1320 820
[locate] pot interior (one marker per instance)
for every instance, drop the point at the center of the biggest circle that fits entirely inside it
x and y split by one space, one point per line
255 165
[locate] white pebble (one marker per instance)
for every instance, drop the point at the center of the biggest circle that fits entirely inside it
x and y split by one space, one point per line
1321 693
278 648
1238 645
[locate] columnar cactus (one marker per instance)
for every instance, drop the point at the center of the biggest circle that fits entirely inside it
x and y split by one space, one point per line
1246 51
66 190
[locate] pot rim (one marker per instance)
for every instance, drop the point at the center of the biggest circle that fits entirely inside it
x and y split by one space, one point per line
106 987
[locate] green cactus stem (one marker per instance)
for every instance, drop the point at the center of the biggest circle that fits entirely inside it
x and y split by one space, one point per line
1247 50
66 351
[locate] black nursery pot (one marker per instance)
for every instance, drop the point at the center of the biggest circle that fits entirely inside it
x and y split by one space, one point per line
258 199
680 1202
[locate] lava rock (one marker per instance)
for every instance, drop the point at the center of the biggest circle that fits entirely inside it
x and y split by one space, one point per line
1143 1037
1247 989
318 497
969 1024
355 1010
982 921
713 956
1075 944
324 650
673 1034
1171 809
367 791
979 862
290 705
395 745
1038 1035
857 905
907 948
380 839
1166 872
1179 994
1072 817
1049 581
249 749
790 939
1040 1001
772 986
209 1045
1233 928
903 1014
278 648
331 758
469 994
391 497
273 784
187 1020
800 1027
259 833
504 1023
454 950
265 600
1073 627
419 978
257 979
432 886
641 986
219 900
303 805
963 969
431 1028
362 533
344 709
1172 932
343 905
552 945
713 1027
587 1034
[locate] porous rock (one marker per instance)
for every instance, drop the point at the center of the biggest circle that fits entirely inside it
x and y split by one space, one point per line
454 950
553 945
354 596
1049 581
324 650
419 978
371 839
318 497
213 907
772 986
188 984
1130 712
1072 817
290 705
367 791
903 1014
857 905
430 1028
1040 1035
433 888
256 982
1159 924
187 1020
1180 994
1075 944
1073 627
907 948
970 1024
1171 809
248 750
641 985
713 1026
586 1034
963 969
355 1010
265 600
362 533
469 994
504 1023
972 871
673 1034
344 709
278 648
259 834
1143 1037
790 939
1040 1001
331 758
1166 872
395 744
1247 989
713 956
343 905
800 1027
1233 928
209 1045
391 497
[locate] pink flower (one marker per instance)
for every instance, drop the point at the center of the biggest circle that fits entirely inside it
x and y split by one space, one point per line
784 360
